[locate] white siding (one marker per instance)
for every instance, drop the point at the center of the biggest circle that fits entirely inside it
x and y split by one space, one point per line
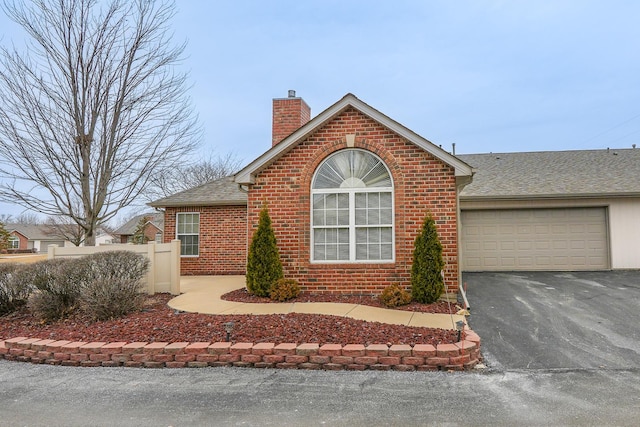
624 219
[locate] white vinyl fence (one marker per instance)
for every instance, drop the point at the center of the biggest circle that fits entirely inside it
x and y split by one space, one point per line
164 267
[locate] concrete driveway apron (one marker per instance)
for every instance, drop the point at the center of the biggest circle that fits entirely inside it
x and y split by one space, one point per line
557 320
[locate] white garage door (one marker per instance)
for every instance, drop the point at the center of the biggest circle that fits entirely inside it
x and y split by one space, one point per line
535 239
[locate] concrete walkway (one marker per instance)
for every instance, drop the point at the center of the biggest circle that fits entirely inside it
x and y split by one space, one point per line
201 294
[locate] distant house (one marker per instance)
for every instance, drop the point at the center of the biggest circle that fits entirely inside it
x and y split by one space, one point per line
153 228
104 237
34 238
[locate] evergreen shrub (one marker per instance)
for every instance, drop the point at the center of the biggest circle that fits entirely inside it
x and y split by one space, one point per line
427 284
394 296
264 268
284 289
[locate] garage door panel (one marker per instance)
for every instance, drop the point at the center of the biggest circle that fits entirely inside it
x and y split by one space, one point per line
578 244
524 245
543 245
524 230
508 245
535 239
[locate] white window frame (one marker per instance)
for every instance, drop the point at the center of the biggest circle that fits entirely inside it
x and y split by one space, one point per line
352 226
178 234
14 242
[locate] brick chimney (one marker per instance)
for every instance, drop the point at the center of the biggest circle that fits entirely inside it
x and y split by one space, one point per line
288 115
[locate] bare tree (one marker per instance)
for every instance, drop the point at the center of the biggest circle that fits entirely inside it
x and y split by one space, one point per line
192 175
93 108
28 218
65 228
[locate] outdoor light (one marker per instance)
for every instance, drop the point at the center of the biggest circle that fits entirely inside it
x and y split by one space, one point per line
459 327
228 327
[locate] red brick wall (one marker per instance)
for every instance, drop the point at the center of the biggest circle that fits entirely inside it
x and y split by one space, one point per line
150 232
289 114
421 184
24 242
223 242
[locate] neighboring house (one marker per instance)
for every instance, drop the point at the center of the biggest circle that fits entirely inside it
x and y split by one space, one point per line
153 229
104 237
36 238
347 192
557 210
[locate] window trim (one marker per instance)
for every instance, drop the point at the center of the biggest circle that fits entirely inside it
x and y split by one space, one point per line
11 240
352 226
188 234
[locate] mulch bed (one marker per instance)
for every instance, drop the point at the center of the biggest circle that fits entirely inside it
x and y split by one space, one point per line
159 323
241 295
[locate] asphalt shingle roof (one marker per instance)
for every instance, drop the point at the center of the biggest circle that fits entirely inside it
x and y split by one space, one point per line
221 192
129 227
33 232
554 174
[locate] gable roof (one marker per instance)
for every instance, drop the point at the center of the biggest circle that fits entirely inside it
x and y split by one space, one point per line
554 174
221 192
247 175
32 231
129 227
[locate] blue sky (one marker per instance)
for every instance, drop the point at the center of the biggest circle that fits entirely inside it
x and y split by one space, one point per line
490 76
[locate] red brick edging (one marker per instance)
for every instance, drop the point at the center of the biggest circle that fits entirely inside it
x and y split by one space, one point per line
421 357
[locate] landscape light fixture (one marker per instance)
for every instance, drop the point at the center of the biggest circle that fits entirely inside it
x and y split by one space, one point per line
459 327
228 327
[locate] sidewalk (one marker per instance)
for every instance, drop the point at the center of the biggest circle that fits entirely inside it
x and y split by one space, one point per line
201 294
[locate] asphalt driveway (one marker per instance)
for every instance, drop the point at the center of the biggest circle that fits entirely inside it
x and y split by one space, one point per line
557 320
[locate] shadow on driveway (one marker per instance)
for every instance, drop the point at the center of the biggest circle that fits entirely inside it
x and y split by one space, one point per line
556 320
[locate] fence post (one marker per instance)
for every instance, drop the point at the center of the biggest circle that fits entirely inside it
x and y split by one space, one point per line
151 274
175 267
51 251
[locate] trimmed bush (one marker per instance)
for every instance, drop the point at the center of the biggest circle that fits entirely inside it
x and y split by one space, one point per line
394 296
264 268
13 293
426 271
103 285
56 293
285 289
113 284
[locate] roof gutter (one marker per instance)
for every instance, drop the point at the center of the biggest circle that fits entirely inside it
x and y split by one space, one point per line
548 196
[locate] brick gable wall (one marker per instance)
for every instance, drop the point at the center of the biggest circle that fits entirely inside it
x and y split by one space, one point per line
421 184
150 232
23 241
223 241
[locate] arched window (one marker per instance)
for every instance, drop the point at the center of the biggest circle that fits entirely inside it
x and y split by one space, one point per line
352 209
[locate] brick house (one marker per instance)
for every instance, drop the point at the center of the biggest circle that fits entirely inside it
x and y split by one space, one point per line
347 192
153 228
32 238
